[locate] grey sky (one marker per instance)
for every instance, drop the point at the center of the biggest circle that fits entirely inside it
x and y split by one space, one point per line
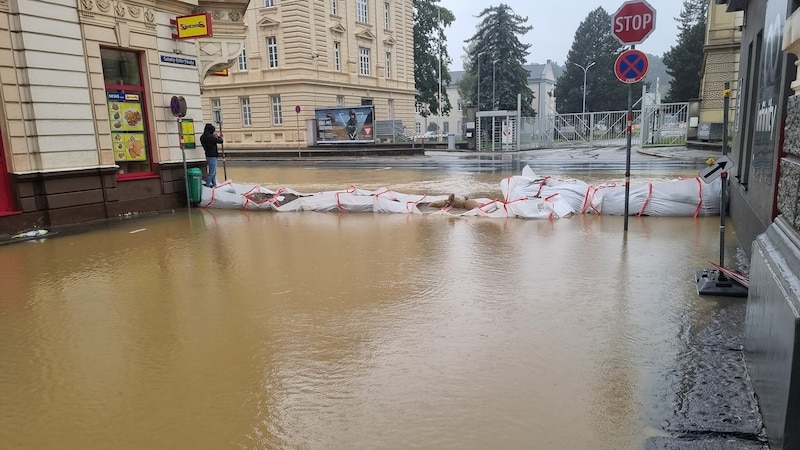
554 25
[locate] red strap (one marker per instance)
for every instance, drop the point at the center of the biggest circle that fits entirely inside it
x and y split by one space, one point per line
700 195
647 200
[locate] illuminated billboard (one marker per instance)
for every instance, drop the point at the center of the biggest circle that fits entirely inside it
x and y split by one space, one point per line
345 125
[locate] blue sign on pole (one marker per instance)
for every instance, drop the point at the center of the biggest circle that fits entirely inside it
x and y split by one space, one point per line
631 66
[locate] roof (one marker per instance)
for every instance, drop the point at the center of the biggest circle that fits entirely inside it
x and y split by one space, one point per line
536 73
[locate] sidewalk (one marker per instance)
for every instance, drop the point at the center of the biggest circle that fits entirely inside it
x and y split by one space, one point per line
681 152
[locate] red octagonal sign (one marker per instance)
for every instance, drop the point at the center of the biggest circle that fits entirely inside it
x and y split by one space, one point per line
633 22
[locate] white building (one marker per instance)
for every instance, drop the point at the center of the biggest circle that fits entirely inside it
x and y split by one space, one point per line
541 81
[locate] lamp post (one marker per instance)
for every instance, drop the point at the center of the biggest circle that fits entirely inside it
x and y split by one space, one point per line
494 105
478 57
585 69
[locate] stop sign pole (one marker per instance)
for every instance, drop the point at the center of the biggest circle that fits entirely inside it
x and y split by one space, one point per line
633 22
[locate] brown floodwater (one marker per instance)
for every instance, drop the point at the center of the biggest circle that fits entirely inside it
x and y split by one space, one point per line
216 329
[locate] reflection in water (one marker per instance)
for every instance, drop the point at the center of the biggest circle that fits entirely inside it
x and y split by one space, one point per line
229 329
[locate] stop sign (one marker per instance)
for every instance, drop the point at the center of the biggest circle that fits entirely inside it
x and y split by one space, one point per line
633 22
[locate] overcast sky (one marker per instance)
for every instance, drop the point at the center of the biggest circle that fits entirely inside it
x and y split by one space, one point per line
554 24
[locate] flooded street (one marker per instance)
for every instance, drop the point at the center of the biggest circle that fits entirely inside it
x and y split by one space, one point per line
217 329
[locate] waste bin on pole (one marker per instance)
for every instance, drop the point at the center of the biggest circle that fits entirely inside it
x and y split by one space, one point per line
195 178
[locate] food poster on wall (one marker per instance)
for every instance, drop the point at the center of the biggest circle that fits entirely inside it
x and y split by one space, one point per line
187 130
127 127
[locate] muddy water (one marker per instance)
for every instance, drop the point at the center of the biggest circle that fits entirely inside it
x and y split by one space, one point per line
228 329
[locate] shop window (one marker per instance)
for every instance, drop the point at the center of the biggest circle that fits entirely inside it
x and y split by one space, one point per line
127 112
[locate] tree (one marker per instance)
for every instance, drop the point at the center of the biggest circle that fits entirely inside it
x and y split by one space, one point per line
593 43
685 60
430 55
495 59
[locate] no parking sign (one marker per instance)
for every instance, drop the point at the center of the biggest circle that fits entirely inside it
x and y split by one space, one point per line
631 66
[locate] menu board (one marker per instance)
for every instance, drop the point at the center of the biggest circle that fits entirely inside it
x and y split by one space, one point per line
127 127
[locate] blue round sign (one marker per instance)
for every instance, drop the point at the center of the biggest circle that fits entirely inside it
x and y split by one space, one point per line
631 66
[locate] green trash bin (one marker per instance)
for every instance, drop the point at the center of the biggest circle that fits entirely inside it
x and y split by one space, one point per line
195 177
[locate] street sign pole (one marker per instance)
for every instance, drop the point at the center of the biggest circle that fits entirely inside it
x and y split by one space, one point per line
629 139
717 281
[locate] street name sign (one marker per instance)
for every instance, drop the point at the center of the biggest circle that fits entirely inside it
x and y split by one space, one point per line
633 22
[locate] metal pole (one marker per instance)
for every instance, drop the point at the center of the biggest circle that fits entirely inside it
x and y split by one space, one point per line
439 99
185 167
494 105
628 152
726 99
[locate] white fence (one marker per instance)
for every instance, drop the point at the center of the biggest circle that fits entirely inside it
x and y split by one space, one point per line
656 125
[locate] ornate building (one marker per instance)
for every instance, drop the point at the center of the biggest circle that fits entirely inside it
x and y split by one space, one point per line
721 61
86 129
303 55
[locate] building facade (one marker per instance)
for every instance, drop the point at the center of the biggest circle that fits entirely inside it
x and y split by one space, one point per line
765 206
86 86
721 61
305 55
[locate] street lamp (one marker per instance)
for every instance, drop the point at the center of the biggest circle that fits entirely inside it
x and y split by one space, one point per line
478 57
585 69
494 105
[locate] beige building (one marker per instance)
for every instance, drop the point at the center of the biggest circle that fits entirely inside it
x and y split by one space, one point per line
721 61
307 55
86 87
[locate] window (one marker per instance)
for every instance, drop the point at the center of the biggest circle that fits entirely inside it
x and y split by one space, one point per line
277 114
390 108
268 3
127 113
243 60
247 119
386 22
335 7
272 51
460 127
339 100
337 56
216 111
361 11
417 128
460 104
363 60
418 108
446 127
388 64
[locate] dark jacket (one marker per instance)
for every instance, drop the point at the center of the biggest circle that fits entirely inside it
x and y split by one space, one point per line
210 141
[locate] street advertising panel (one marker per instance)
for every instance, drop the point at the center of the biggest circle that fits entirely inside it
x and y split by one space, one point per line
345 125
127 127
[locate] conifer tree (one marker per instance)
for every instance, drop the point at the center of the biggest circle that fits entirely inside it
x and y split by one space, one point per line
593 43
496 53
430 54
684 61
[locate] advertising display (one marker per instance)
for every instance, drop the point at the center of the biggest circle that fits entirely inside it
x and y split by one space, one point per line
187 130
127 127
345 125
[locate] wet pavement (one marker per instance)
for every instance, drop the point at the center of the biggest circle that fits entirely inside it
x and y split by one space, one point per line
714 405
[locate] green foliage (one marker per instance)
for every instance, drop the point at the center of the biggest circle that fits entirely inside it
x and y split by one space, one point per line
685 60
593 42
495 60
430 54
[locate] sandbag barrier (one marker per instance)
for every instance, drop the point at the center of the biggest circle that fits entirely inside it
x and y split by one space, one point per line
525 196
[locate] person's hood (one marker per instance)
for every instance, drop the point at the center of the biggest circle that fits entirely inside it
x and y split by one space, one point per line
209 129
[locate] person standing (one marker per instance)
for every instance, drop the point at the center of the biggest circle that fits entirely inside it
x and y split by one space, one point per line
209 139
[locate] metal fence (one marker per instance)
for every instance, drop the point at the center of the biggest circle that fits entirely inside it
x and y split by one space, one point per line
655 125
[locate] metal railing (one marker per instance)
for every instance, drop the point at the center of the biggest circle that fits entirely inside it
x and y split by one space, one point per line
656 125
